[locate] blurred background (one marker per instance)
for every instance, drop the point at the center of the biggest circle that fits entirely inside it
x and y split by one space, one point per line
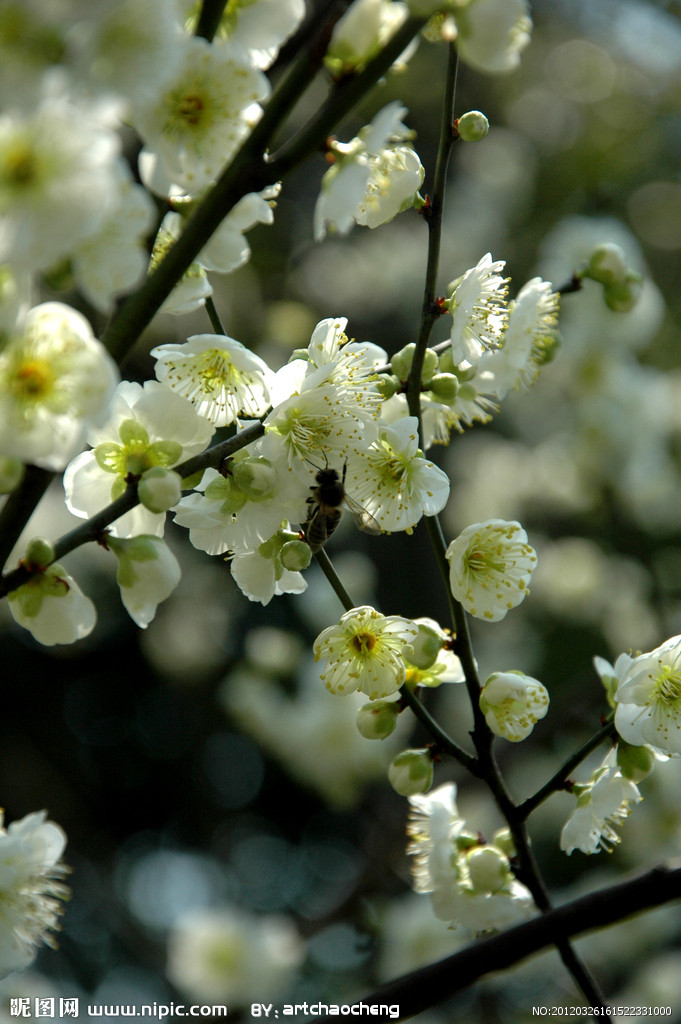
232 837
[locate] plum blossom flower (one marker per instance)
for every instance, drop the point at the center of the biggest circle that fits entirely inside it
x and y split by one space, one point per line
648 698
490 565
512 703
32 891
491 34
218 375
393 481
603 804
147 574
260 26
469 882
365 652
230 955
56 176
147 426
52 607
270 570
56 378
205 111
478 308
374 177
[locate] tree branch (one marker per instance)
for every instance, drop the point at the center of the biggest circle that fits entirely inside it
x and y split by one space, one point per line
428 987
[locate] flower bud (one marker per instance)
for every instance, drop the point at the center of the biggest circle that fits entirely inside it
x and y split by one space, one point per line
411 772
256 477
402 360
472 126
159 489
488 868
378 719
147 574
388 385
427 645
635 763
431 364
11 474
607 264
623 296
444 386
295 555
39 553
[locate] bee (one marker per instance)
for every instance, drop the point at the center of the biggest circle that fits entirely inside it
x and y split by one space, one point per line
327 501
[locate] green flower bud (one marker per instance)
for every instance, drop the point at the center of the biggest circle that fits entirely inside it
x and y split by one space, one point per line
426 646
444 386
402 360
39 553
11 474
159 489
488 868
623 296
635 763
256 477
431 364
447 364
388 385
607 264
411 772
295 555
378 719
472 126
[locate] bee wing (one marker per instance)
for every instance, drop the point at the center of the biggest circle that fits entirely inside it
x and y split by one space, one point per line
363 519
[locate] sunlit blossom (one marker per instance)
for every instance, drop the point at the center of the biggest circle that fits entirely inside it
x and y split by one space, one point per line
490 565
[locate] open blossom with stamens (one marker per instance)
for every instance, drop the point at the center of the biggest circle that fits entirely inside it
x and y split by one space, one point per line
490 565
204 113
512 703
218 375
32 891
478 308
56 378
365 652
393 481
603 804
648 698
527 341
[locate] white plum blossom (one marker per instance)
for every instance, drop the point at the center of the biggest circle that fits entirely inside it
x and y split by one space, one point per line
57 176
648 698
243 508
527 340
374 177
193 288
365 652
491 34
263 574
147 426
603 804
112 260
233 956
393 481
227 248
260 26
490 565
56 378
325 408
203 114
362 33
32 891
478 308
147 574
470 883
219 376
512 703
52 607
